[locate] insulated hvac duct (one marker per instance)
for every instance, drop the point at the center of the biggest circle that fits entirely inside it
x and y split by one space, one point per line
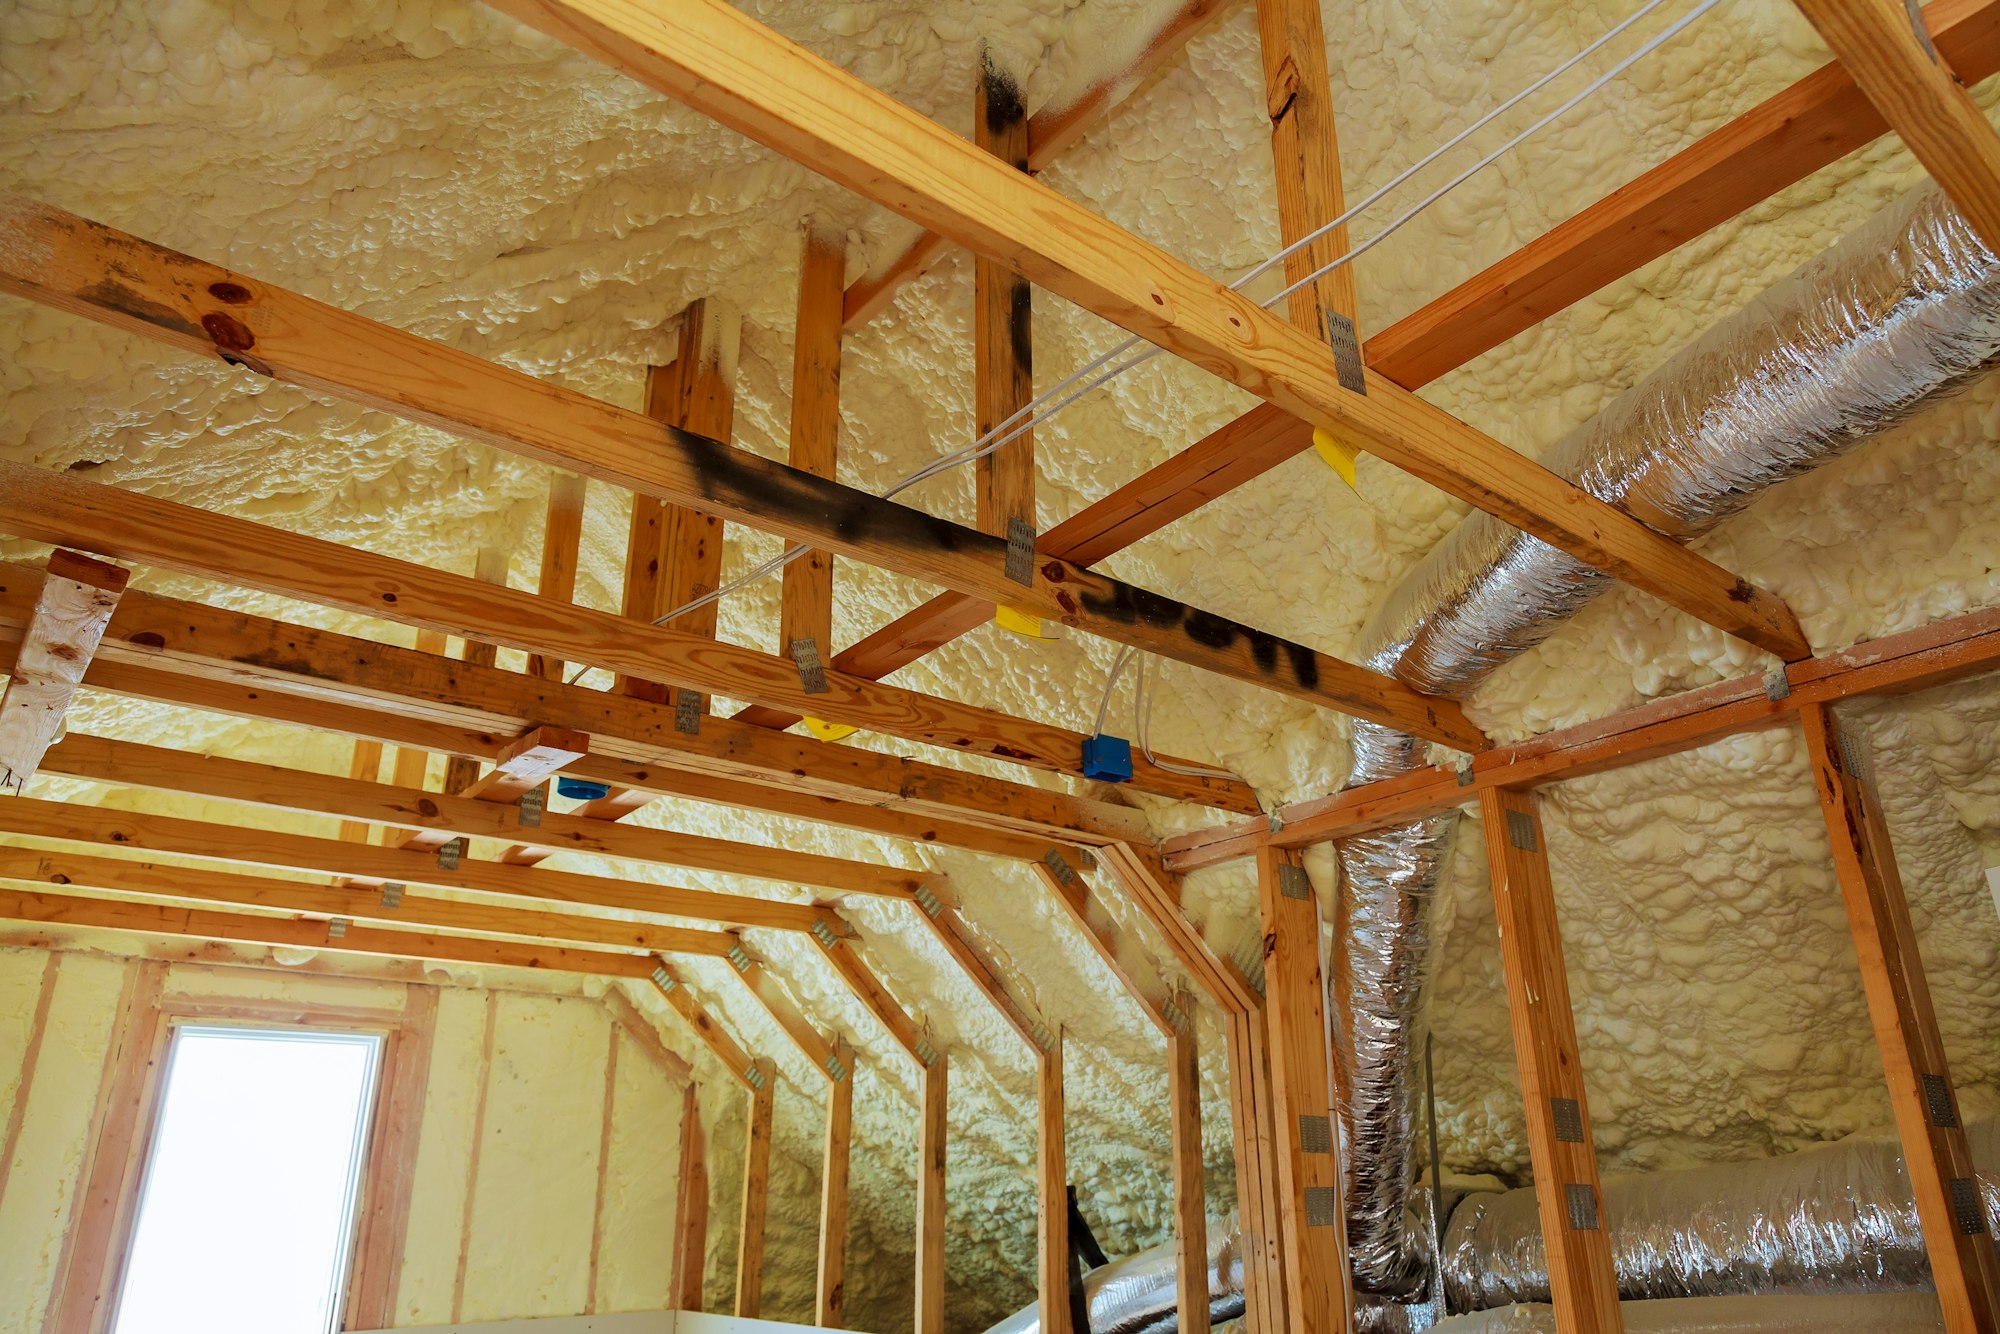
1901 312
1834 1219
1891 1313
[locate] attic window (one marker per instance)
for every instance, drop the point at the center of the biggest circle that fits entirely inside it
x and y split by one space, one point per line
246 1213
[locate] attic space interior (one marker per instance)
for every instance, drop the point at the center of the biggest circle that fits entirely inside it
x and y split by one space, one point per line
635 704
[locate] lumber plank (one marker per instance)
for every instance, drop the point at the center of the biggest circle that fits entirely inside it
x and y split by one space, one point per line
1312 1225
690 1209
806 602
724 63
830 1290
67 909
669 983
77 598
868 989
1051 130
1052 1244
933 1093
364 765
520 768
125 876
34 502
1190 1197
1305 154
1568 1196
1003 327
764 989
1067 884
461 772
190 305
1920 659
1895 65
1965 1265
562 540
756 1196
68 822
1157 894
939 914
222 662
1265 1293
158 769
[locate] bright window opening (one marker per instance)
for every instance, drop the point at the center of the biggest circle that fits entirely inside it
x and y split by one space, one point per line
246 1215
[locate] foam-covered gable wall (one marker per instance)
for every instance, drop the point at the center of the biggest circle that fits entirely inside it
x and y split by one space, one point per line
548 1229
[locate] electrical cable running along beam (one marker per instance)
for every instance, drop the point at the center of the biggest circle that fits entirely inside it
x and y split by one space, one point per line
51 507
724 63
64 261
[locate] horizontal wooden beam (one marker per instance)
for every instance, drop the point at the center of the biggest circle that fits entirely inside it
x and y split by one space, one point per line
130 764
120 875
202 924
1933 655
77 598
91 270
70 822
720 61
238 663
51 507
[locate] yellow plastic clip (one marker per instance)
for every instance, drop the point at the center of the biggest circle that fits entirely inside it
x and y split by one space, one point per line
1024 625
826 731
1338 456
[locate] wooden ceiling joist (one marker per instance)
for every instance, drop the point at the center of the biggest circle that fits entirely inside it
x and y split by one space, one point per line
95 271
1932 655
130 764
118 875
50 507
65 822
720 61
77 597
189 653
202 924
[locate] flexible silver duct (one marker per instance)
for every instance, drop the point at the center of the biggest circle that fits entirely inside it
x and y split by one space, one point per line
1838 1218
1903 311
1891 1313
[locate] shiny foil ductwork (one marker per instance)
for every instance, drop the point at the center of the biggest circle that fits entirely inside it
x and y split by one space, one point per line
1903 311
1834 1219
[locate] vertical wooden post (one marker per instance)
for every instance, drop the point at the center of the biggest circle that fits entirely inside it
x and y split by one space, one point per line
674 554
691 1209
1265 1293
756 1191
1190 1200
1567 1194
1052 1188
806 611
832 1306
407 768
461 771
1312 1228
1002 327
1306 158
562 538
1964 1264
364 765
930 1199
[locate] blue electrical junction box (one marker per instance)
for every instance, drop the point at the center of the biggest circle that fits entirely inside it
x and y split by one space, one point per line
1107 758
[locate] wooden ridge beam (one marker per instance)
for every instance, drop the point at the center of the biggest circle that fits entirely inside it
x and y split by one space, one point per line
1929 656
154 768
69 822
1893 61
95 271
120 875
1051 131
290 932
1965 1265
77 598
1568 1195
724 63
46 506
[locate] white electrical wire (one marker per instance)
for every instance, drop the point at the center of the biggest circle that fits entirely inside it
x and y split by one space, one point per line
1070 387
